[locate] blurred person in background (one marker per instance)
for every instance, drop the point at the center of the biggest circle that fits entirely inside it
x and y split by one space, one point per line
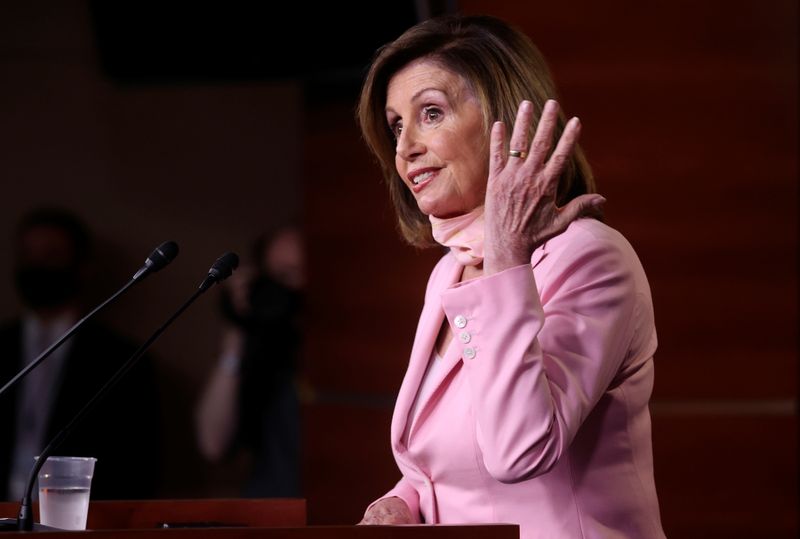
53 252
250 402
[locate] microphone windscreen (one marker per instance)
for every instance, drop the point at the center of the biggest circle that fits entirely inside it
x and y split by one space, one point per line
163 255
224 266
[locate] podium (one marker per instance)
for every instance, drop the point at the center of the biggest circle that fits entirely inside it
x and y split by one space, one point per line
240 519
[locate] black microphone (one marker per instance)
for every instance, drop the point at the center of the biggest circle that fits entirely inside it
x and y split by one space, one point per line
219 271
160 257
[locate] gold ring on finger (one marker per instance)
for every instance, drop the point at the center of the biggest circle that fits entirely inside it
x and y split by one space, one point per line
518 153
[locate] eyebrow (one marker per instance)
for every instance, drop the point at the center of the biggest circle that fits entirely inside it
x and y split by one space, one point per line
429 88
419 93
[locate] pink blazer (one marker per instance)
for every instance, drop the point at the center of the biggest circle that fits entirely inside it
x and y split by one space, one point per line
540 414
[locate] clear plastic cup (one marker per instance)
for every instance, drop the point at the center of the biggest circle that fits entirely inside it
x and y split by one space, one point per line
64 486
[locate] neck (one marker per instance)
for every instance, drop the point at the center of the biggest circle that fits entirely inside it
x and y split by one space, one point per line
472 272
463 235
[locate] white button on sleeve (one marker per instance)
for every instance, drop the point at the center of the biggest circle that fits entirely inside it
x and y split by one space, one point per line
465 337
460 321
469 352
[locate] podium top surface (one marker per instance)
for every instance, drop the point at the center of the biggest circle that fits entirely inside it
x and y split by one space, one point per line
243 518
420 531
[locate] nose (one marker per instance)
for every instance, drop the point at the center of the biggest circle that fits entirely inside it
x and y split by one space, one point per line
409 144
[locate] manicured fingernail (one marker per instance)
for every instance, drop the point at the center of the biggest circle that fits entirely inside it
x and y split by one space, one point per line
527 105
599 201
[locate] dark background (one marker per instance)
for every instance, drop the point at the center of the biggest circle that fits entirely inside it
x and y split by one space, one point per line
208 126
152 42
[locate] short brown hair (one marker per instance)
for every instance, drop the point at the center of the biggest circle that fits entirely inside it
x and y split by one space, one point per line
500 64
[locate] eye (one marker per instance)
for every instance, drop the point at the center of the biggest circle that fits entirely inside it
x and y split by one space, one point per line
432 114
396 128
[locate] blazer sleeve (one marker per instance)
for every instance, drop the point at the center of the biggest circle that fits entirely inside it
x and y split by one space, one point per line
406 492
536 369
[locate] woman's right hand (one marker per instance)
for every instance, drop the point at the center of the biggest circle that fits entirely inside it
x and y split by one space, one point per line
521 212
388 511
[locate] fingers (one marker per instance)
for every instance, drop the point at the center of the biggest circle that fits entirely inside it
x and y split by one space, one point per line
555 166
497 153
582 206
540 146
519 137
544 134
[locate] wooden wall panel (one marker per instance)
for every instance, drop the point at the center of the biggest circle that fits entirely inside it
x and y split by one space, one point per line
732 476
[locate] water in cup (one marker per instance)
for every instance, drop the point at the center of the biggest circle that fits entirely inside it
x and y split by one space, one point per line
65 508
64 487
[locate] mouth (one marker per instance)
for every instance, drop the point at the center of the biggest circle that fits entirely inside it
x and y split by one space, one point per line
419 179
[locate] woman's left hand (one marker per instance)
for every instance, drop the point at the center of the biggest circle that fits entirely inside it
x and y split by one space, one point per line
388 512
521 212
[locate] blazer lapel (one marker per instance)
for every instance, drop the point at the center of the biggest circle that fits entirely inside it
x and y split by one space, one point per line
430 322
450 361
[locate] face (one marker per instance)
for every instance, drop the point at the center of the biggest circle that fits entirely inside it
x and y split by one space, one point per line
45 246
47 273
442 143
285 259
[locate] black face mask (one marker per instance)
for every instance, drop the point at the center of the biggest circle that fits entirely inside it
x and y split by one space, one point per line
42 287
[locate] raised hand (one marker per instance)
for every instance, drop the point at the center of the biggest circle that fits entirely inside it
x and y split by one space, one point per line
521 211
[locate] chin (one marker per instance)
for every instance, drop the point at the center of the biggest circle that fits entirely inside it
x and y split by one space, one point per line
443 211
445 207
438 210
424 208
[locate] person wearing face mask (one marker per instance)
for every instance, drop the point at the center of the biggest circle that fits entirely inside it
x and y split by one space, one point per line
526 396
52 251
250 402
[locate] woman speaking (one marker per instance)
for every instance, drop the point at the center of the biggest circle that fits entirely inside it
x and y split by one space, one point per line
526 395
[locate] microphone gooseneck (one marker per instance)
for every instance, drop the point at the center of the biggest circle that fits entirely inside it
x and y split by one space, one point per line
221 270
160 257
